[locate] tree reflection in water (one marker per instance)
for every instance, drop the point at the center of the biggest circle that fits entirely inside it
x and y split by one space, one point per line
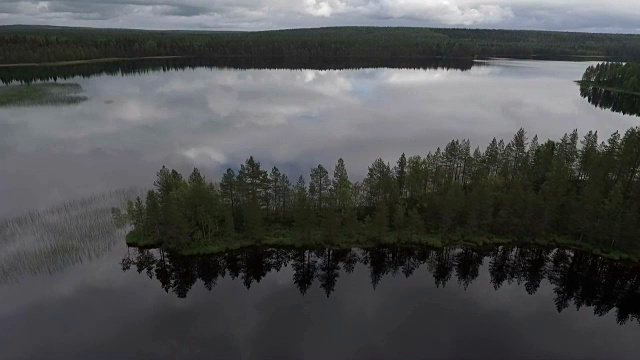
577 278
616 101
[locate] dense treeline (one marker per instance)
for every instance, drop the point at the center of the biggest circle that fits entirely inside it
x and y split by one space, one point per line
618 76
613 86
576 277
581 190
30 74
28 44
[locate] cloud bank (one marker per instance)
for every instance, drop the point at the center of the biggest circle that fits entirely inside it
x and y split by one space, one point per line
572 15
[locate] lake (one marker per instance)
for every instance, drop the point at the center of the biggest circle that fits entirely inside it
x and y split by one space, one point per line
72 150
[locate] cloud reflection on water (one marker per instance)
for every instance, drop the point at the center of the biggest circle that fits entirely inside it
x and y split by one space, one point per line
294 119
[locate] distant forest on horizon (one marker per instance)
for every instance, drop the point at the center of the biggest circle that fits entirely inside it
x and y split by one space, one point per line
32 74
40 44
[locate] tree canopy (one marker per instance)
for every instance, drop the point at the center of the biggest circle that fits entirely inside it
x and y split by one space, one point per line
34 44
582 190
613 86
618 76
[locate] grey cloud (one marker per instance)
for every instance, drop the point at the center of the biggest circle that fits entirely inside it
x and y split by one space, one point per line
583 15
182 10
549 17
9 8
64 10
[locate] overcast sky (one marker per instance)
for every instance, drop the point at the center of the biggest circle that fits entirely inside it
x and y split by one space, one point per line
573 15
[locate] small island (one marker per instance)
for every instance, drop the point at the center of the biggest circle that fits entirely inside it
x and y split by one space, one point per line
575 193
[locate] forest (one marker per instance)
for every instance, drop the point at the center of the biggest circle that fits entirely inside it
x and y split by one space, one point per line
32 74
40 44
579 278
624 77
578 192
613 86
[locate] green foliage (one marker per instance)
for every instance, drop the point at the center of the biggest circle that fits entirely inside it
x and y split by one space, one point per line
43 94
582 191
319 187
342 187
613 86
119 218
621 76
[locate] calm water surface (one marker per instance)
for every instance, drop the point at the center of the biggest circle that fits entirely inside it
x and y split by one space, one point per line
294 119
63 291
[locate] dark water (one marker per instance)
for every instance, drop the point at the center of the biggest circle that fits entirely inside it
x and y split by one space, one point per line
377 303
616 101
64 294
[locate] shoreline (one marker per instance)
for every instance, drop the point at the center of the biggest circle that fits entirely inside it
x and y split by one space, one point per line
608 88
89 61
286 240
470 58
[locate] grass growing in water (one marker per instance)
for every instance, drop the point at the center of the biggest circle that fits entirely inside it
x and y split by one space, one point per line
47 241
52 94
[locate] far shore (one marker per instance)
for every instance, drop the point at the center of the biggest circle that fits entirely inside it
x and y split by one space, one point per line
90 61
103 60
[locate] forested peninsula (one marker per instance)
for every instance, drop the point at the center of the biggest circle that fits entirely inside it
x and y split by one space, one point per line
613 86
42 44
622 77
577 192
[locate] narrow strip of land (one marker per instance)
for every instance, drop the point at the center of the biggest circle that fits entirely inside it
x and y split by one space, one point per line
556 193
609 88
91 61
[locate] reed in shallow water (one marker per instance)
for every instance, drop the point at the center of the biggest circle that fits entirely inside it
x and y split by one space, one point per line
49 240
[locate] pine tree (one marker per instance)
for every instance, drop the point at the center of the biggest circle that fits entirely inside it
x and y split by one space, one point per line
228 189
301 206
319 187
275 191
152 216
341 186
400 172
378 183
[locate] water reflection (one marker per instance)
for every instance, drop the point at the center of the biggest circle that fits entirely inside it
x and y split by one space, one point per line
616 101
50 240
216 118
30 74
577 278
